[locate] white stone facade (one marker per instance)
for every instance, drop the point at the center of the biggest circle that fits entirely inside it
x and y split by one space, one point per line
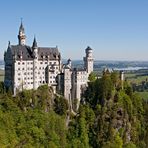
30 67
75 80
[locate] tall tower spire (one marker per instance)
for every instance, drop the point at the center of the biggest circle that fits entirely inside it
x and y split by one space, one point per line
34 43
35 63
21 35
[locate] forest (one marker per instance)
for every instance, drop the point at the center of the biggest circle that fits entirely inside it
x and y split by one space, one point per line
111 115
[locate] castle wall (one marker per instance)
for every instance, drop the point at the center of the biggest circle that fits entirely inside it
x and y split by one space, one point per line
67 83
25 70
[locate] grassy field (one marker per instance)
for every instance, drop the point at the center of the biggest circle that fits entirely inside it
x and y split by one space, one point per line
144 95
1 75
134 78
138 78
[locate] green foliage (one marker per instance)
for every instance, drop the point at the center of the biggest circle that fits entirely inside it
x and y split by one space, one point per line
92 77
99 91
117 142
111 117
80 130
24 123
129 145
61 105
120 118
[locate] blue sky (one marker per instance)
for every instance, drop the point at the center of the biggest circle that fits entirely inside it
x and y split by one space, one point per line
115 29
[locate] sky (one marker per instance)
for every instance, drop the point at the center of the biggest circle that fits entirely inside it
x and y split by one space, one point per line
114 29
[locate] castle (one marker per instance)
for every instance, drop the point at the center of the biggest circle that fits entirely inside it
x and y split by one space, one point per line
28 67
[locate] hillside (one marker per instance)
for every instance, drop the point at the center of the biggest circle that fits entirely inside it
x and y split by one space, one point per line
110 116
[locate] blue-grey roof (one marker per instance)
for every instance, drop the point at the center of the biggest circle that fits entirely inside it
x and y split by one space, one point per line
34 43
21 29
27 52
88 48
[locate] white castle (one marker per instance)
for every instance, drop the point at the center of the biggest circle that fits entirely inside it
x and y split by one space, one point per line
30 67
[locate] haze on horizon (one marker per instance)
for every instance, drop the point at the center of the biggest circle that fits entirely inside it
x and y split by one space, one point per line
116 30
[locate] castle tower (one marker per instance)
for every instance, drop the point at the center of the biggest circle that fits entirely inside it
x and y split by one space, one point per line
122 78
69 63
21 35
122 75
88 60
35 64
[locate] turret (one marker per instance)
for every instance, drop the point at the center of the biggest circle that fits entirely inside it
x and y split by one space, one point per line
35 48
35 64
21 35
69 63
8 51
88 60
122 75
